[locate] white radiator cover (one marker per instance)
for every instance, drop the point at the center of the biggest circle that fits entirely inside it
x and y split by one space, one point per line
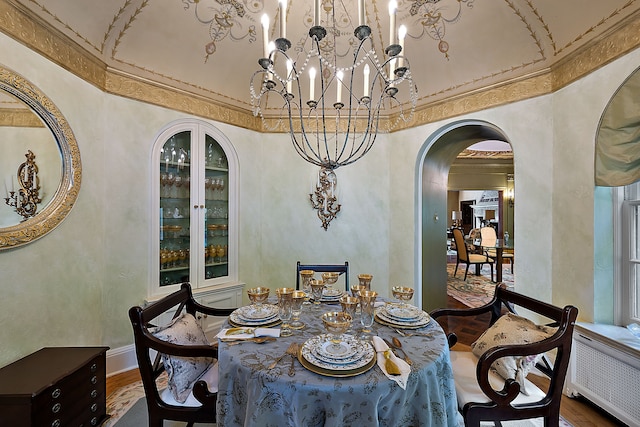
605 369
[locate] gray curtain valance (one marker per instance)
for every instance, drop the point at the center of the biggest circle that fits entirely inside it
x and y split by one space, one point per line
617 157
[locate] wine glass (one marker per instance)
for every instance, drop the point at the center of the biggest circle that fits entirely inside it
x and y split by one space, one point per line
367 312
355 290
329 278
402 293
317 286
296 306
305 277
257 296
285 300
336 323
349 305
365 280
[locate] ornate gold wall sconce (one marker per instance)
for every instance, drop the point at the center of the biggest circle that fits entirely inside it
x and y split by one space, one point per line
324 197
26 199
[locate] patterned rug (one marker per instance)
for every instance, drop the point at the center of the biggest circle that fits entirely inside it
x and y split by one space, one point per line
476 290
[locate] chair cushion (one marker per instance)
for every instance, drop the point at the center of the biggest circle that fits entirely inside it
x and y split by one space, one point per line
210 376
464 365
182 372
512 329
477 258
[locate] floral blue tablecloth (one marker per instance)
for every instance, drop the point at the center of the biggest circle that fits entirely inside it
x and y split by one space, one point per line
249 394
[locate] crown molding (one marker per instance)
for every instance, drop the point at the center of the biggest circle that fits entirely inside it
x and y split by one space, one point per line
39 36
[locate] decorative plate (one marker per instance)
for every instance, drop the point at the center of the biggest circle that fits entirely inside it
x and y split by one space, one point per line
307 351
234 321
354 349
406 312
336 373
383 319
332 293
253 313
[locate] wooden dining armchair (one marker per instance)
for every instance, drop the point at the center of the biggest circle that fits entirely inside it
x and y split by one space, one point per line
510 347
468 258
341 269
183 352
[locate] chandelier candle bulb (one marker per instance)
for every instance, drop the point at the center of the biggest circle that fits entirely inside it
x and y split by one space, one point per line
339 77
365 72
361 14
312 83
316 13
283 21
265 34
392 22
402 32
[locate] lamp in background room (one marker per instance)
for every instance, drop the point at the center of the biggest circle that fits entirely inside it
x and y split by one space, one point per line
332 86
456 219
488 216
510 190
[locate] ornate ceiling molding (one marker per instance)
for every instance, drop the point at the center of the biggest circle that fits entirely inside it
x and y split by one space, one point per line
42 38
19 117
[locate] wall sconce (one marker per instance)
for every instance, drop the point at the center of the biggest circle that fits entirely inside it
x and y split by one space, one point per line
456 217
26 200
511 190
324 197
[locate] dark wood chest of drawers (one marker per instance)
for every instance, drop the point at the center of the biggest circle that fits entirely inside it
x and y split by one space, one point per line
55 387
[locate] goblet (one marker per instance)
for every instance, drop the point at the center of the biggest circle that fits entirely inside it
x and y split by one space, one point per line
402 293
349 305
367 304
305 277
296 306
329 278
257 296
336 323
355 290
365 280
317 286
285 300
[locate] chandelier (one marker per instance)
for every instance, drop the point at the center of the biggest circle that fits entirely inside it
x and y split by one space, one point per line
333 100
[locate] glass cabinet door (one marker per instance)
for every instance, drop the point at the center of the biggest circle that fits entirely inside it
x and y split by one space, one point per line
195 179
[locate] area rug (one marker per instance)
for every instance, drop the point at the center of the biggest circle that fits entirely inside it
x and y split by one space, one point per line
128 408
473 292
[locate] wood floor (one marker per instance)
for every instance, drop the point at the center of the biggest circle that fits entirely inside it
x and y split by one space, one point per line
578 412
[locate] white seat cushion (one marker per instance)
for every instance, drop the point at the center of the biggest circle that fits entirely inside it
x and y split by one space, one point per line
464 373
210 376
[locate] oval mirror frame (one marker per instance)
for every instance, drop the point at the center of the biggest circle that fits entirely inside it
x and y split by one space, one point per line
67 193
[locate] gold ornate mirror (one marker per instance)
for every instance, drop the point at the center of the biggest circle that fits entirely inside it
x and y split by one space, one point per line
31 123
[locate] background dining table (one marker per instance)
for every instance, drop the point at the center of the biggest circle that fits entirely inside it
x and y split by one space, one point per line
250 394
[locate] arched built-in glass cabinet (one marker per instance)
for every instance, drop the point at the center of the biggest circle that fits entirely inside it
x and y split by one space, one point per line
195 170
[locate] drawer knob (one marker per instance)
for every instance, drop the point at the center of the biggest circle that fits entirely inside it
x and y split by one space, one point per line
56 393
94 367
94 407
94 380
56 408
94 393
94 421
55 423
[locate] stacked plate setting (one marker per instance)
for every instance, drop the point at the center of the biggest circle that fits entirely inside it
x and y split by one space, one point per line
402 316
253 315
352 357
331 296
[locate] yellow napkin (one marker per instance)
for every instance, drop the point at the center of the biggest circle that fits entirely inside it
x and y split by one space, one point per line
246 333
381 348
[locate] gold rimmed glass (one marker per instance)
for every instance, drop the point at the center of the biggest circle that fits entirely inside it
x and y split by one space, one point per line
402 293
349 305
365 280
336 323
317 286
285 303
367 311
296 305
258 296
329 279
355 289
305 277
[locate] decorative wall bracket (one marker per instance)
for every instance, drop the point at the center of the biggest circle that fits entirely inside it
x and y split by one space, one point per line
324 197
26 200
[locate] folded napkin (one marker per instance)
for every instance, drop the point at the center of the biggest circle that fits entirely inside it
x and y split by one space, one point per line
233 334
381 347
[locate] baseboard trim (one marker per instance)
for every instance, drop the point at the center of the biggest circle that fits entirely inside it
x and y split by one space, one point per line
121 359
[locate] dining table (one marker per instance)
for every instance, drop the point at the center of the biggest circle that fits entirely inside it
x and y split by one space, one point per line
251 394
500 246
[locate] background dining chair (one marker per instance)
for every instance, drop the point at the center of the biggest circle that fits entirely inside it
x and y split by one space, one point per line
465 257
180 348
489 238
341 269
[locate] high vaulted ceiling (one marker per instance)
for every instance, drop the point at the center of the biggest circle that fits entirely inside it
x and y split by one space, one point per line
208 49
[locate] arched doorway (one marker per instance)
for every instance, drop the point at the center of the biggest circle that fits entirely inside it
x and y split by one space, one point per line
432 169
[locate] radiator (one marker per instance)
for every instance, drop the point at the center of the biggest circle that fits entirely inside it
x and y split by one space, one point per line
605 369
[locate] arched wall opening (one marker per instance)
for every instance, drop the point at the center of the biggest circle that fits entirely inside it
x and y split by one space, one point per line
432 170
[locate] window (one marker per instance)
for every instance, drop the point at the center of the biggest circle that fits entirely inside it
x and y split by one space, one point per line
630 256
